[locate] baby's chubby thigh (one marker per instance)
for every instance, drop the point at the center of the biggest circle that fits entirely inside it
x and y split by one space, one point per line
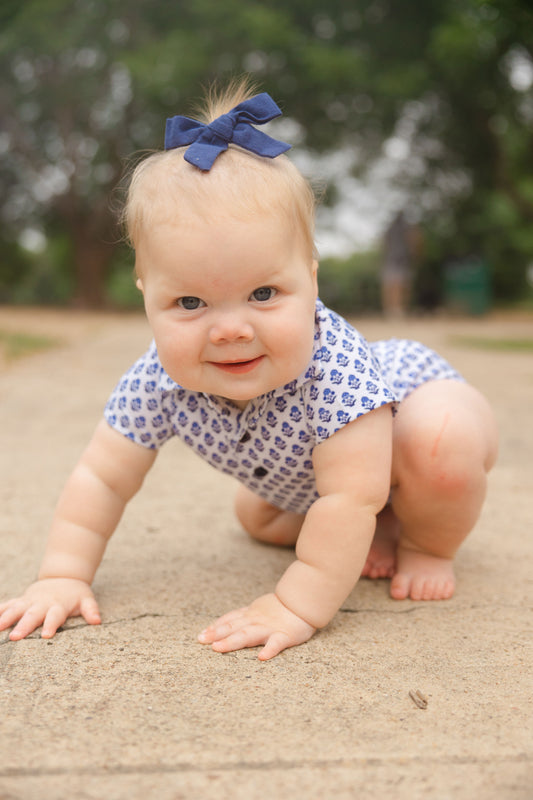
266 522
444 443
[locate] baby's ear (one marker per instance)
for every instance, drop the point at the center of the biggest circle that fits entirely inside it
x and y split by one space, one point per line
139 285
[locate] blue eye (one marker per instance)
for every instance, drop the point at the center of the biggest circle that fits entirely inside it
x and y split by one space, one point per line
189 303
263 293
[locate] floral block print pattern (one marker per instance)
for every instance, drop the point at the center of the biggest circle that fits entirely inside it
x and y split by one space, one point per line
268 446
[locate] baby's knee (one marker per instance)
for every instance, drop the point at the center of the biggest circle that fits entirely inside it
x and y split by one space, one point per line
249 511
444 455
454 475
445 434
264 522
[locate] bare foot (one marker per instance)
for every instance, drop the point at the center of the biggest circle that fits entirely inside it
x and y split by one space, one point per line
381 560
422 577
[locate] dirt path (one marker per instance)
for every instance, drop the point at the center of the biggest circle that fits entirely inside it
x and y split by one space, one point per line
135 708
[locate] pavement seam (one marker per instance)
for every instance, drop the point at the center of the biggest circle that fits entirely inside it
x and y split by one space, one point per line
274 764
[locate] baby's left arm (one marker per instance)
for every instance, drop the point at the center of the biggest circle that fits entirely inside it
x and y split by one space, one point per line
352 471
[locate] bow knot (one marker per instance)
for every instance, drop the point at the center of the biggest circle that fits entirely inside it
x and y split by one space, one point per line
223 127
208 141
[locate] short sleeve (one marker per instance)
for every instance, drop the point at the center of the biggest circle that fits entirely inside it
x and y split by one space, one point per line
136 407
345 380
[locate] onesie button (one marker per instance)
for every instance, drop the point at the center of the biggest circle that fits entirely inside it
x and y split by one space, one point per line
260 472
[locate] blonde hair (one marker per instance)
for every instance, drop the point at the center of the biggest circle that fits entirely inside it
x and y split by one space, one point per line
166 188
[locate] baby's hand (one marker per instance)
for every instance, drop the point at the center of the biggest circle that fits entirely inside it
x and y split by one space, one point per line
48 602
266 621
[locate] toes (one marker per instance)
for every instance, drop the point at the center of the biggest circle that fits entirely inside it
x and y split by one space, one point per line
421 589
449 589
445 590
422 576
405 586
432 589
400 586
378 569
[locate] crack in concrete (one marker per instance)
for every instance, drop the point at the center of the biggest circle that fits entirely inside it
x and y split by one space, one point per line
343 610
429 606
105 624
378 610
154 615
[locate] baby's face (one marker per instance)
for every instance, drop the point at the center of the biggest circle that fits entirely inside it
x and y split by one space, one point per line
230 303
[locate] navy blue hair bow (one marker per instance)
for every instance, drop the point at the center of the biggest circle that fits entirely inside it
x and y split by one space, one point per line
208 141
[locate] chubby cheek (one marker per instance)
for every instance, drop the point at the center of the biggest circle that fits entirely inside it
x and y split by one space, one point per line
176 354
294 344
171 361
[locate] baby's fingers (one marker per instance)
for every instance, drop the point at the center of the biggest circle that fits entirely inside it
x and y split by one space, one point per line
28 622
55 617
250 636
4 606
223 626
275 644
228 619
89 611
58 614
10 613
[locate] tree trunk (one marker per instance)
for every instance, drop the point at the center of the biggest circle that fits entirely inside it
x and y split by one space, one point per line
92 258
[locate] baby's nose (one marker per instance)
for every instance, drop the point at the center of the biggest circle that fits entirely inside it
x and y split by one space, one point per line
231 328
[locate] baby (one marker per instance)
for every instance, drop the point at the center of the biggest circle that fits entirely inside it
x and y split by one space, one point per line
325 432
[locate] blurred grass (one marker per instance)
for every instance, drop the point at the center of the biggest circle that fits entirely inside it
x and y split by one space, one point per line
15 345
493 343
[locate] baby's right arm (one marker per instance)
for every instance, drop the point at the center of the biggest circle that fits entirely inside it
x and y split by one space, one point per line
109 473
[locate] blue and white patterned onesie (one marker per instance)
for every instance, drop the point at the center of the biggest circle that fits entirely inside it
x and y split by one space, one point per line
268 446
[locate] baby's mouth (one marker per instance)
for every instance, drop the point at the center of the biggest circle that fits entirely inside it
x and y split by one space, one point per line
238 367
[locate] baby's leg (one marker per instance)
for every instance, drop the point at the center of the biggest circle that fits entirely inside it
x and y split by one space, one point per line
264 521
444 443
381 559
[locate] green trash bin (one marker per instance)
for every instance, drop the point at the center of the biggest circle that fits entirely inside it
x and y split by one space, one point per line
467 286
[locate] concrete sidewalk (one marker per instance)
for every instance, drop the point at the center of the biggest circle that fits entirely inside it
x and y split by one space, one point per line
136 708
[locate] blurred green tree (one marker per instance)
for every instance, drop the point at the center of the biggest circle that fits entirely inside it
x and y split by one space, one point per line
442 88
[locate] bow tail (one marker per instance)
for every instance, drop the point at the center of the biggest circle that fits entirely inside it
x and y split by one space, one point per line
203 154
258 142
181 131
